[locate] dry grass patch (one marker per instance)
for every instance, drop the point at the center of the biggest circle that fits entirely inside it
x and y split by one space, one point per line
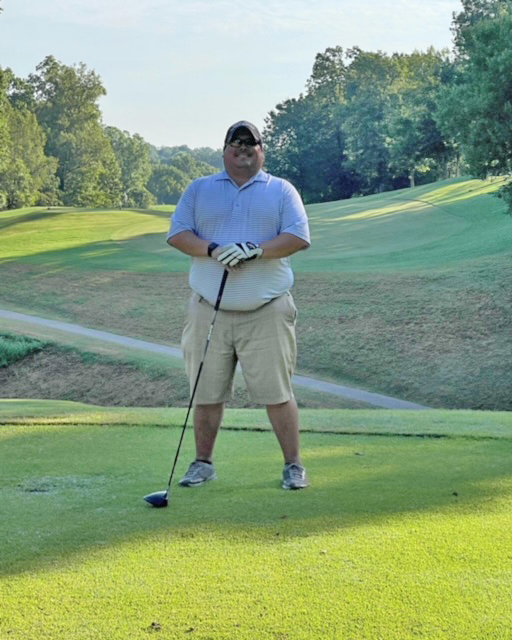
57 373
61 374
442 338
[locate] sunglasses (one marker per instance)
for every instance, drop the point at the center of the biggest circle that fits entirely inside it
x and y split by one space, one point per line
238 142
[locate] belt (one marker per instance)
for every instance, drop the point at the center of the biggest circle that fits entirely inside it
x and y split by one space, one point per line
201 299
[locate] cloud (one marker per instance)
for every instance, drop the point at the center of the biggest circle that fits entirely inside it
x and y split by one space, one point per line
107 13
224 17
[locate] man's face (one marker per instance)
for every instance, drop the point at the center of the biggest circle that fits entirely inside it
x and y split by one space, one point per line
243 157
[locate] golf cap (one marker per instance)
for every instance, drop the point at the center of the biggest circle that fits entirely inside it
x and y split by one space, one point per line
242 124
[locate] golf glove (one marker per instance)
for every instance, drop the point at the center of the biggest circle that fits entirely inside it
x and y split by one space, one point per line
235 253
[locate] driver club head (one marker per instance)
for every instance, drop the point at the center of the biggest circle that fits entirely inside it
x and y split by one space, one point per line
158 499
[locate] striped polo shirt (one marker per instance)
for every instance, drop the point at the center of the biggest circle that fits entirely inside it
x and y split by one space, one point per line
216 209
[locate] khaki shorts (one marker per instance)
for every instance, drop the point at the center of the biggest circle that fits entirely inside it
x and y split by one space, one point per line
263 341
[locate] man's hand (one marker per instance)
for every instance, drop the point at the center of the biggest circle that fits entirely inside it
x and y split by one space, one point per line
238 252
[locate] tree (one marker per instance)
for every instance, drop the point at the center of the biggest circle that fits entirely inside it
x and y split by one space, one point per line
367 123
167 183
27 175
169 180
286 129
415 143
305 146
36 171
4 134
473 12
134 159
477 109
369 77
305 139
65 100
190 166
212 157
175 168
327 79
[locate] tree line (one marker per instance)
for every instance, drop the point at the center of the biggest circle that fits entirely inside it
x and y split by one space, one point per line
366 122
369 122
54 148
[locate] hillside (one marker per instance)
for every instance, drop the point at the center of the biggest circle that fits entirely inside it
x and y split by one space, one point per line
406 293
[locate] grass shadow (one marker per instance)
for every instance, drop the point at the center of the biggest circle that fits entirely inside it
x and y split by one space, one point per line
68 490
115 255
27 218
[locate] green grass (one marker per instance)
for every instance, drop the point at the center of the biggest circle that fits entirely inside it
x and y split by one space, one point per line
406 293
405 532
89 239
430 226
432 424
398 537
433 226
14 348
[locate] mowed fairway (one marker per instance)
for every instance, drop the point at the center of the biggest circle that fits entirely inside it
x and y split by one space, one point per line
405 531
432 225
398 537
406 293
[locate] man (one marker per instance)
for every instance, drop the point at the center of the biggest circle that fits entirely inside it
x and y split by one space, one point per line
248 222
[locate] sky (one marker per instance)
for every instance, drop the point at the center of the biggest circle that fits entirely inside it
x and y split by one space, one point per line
180 72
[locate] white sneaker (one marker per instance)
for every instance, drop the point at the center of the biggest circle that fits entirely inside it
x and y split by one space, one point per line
198 473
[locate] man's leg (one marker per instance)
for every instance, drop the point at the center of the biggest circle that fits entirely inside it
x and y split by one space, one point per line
207 421
284 419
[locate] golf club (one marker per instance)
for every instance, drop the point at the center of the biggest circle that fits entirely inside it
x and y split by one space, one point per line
161 498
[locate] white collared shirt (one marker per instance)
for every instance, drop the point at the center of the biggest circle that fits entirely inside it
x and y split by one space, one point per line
217 209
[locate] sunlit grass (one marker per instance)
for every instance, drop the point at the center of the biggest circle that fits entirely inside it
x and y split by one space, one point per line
433 423
431 226
397 537
423 227
85 238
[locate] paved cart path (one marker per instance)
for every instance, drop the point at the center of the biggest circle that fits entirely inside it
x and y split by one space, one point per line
373 399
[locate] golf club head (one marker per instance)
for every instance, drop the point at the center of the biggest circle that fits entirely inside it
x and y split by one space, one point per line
158 499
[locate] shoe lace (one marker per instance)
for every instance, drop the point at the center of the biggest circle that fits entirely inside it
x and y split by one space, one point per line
194 467
295 472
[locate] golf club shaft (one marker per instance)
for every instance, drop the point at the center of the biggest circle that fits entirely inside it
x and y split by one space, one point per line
210 331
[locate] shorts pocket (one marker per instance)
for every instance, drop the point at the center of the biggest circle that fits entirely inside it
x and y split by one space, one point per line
292 309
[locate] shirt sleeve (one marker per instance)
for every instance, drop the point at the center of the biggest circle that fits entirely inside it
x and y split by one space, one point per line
294 219
183 218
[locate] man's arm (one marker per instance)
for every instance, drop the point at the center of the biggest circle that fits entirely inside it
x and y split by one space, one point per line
189 243
282 246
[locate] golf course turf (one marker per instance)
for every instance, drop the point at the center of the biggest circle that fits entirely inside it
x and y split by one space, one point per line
398 537
406 293
405 531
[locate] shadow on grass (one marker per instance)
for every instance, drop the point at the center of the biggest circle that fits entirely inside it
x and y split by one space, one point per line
109 254
66 491
32 217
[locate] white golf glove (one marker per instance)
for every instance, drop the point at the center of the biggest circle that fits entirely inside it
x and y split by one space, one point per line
238 252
